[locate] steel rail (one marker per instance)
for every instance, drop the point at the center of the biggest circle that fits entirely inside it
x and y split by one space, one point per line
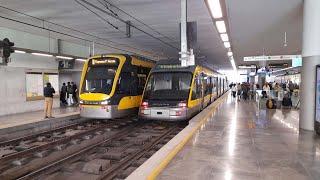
77 155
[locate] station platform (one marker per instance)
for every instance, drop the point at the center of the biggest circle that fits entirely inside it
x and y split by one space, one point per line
239 143
235 140
13 120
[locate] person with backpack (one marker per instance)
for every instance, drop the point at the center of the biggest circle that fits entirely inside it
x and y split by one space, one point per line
63 94
234 90
239 91
286 101
48 92
74 93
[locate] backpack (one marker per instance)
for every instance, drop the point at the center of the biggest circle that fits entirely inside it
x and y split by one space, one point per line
286 101
271 104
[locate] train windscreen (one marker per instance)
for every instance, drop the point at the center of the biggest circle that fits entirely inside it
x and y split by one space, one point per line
99 79
168 86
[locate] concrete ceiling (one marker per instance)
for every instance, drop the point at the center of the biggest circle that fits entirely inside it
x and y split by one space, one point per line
259 26
254 25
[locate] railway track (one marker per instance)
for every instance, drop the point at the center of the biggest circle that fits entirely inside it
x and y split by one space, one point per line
21 151
107 153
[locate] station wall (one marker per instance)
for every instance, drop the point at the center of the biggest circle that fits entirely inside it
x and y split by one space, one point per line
13 76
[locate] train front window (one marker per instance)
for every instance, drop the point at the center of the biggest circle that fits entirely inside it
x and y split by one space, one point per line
170 86
99 79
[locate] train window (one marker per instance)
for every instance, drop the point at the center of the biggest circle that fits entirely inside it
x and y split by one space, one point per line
194 91
197 88
170 86
142 81
128 83
99 79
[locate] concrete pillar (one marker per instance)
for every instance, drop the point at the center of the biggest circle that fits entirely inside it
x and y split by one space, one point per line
311 57
183 29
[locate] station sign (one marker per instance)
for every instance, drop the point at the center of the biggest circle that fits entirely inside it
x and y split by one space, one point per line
271 58
296 62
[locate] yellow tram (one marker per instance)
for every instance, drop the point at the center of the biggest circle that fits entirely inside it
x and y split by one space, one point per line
112 85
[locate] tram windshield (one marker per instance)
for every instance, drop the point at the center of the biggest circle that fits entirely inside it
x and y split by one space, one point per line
99 79
169 86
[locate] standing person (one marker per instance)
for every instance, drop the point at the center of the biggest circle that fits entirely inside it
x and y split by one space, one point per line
239 90
234 90
69 94
74 93
265 90
291 88
48 92
245 90
63 94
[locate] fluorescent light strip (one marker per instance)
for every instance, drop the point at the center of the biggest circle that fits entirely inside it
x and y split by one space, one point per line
224 37
64 57
230 53
80 59
227 44
215 8
221 26
41 54
233 65
21 52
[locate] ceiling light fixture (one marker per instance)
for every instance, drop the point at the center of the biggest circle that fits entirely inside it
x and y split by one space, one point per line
41 54
233 64
215 8
64 57
227 44
230 53
224 37
221 26
21 52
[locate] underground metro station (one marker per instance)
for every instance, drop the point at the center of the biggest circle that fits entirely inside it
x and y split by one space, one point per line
151 89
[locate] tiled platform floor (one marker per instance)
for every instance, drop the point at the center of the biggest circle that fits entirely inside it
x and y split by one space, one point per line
240 144
31 117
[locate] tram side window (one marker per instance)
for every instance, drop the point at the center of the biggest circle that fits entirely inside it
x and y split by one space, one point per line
142 78
215 81
196 89
128 83
208 86
142 81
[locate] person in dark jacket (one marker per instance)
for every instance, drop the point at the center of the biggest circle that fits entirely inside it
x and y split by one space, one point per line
48 92
63 95
69 94
74 93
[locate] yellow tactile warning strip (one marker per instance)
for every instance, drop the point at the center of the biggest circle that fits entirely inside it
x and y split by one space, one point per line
156 171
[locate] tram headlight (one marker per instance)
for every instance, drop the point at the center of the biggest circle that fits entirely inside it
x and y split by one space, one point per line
105 102
81 102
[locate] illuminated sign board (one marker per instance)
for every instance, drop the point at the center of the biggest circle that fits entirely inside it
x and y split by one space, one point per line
296 62
271 58
104 61
169 66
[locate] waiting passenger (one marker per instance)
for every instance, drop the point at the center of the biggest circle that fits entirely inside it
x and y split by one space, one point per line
63 95
69 94
48 92
265 90
74 93
239 91
234 90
